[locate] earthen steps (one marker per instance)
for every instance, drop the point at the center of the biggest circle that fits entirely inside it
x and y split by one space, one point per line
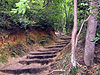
41 56
56 46
59 34
30 69
41 53
35 63
40 61
62 42
51 50
64 38
59 43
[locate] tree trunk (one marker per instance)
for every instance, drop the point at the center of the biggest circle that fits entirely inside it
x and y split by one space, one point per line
74 32
90 35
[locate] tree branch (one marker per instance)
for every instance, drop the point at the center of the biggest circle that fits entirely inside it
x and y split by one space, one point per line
77 36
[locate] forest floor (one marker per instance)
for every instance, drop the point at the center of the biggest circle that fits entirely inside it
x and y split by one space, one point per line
81 68
52 60
39 62
95 67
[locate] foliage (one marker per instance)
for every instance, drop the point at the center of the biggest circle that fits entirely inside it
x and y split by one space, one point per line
6 5
57 13
42 12
69 15
21 7
74 70
17 50
9 20
11 51
96 38
83 12
4 55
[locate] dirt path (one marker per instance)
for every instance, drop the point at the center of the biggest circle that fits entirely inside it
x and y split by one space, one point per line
36 63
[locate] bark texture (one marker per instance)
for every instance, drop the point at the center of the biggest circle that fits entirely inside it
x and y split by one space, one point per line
90 35
74 32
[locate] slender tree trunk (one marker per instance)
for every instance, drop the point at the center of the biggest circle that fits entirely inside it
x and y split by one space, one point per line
74 32
91 31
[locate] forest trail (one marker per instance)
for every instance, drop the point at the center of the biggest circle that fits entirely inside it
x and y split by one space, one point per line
36 62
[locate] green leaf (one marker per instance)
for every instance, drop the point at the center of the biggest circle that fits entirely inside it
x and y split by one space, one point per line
19 4
98 35
99 22
83 72
93 6
24 10
28 7
95 39
14 11
94 12
87 12
33 1
20 11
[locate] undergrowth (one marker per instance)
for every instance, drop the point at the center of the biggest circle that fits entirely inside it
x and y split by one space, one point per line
20 49
44 40
11 51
